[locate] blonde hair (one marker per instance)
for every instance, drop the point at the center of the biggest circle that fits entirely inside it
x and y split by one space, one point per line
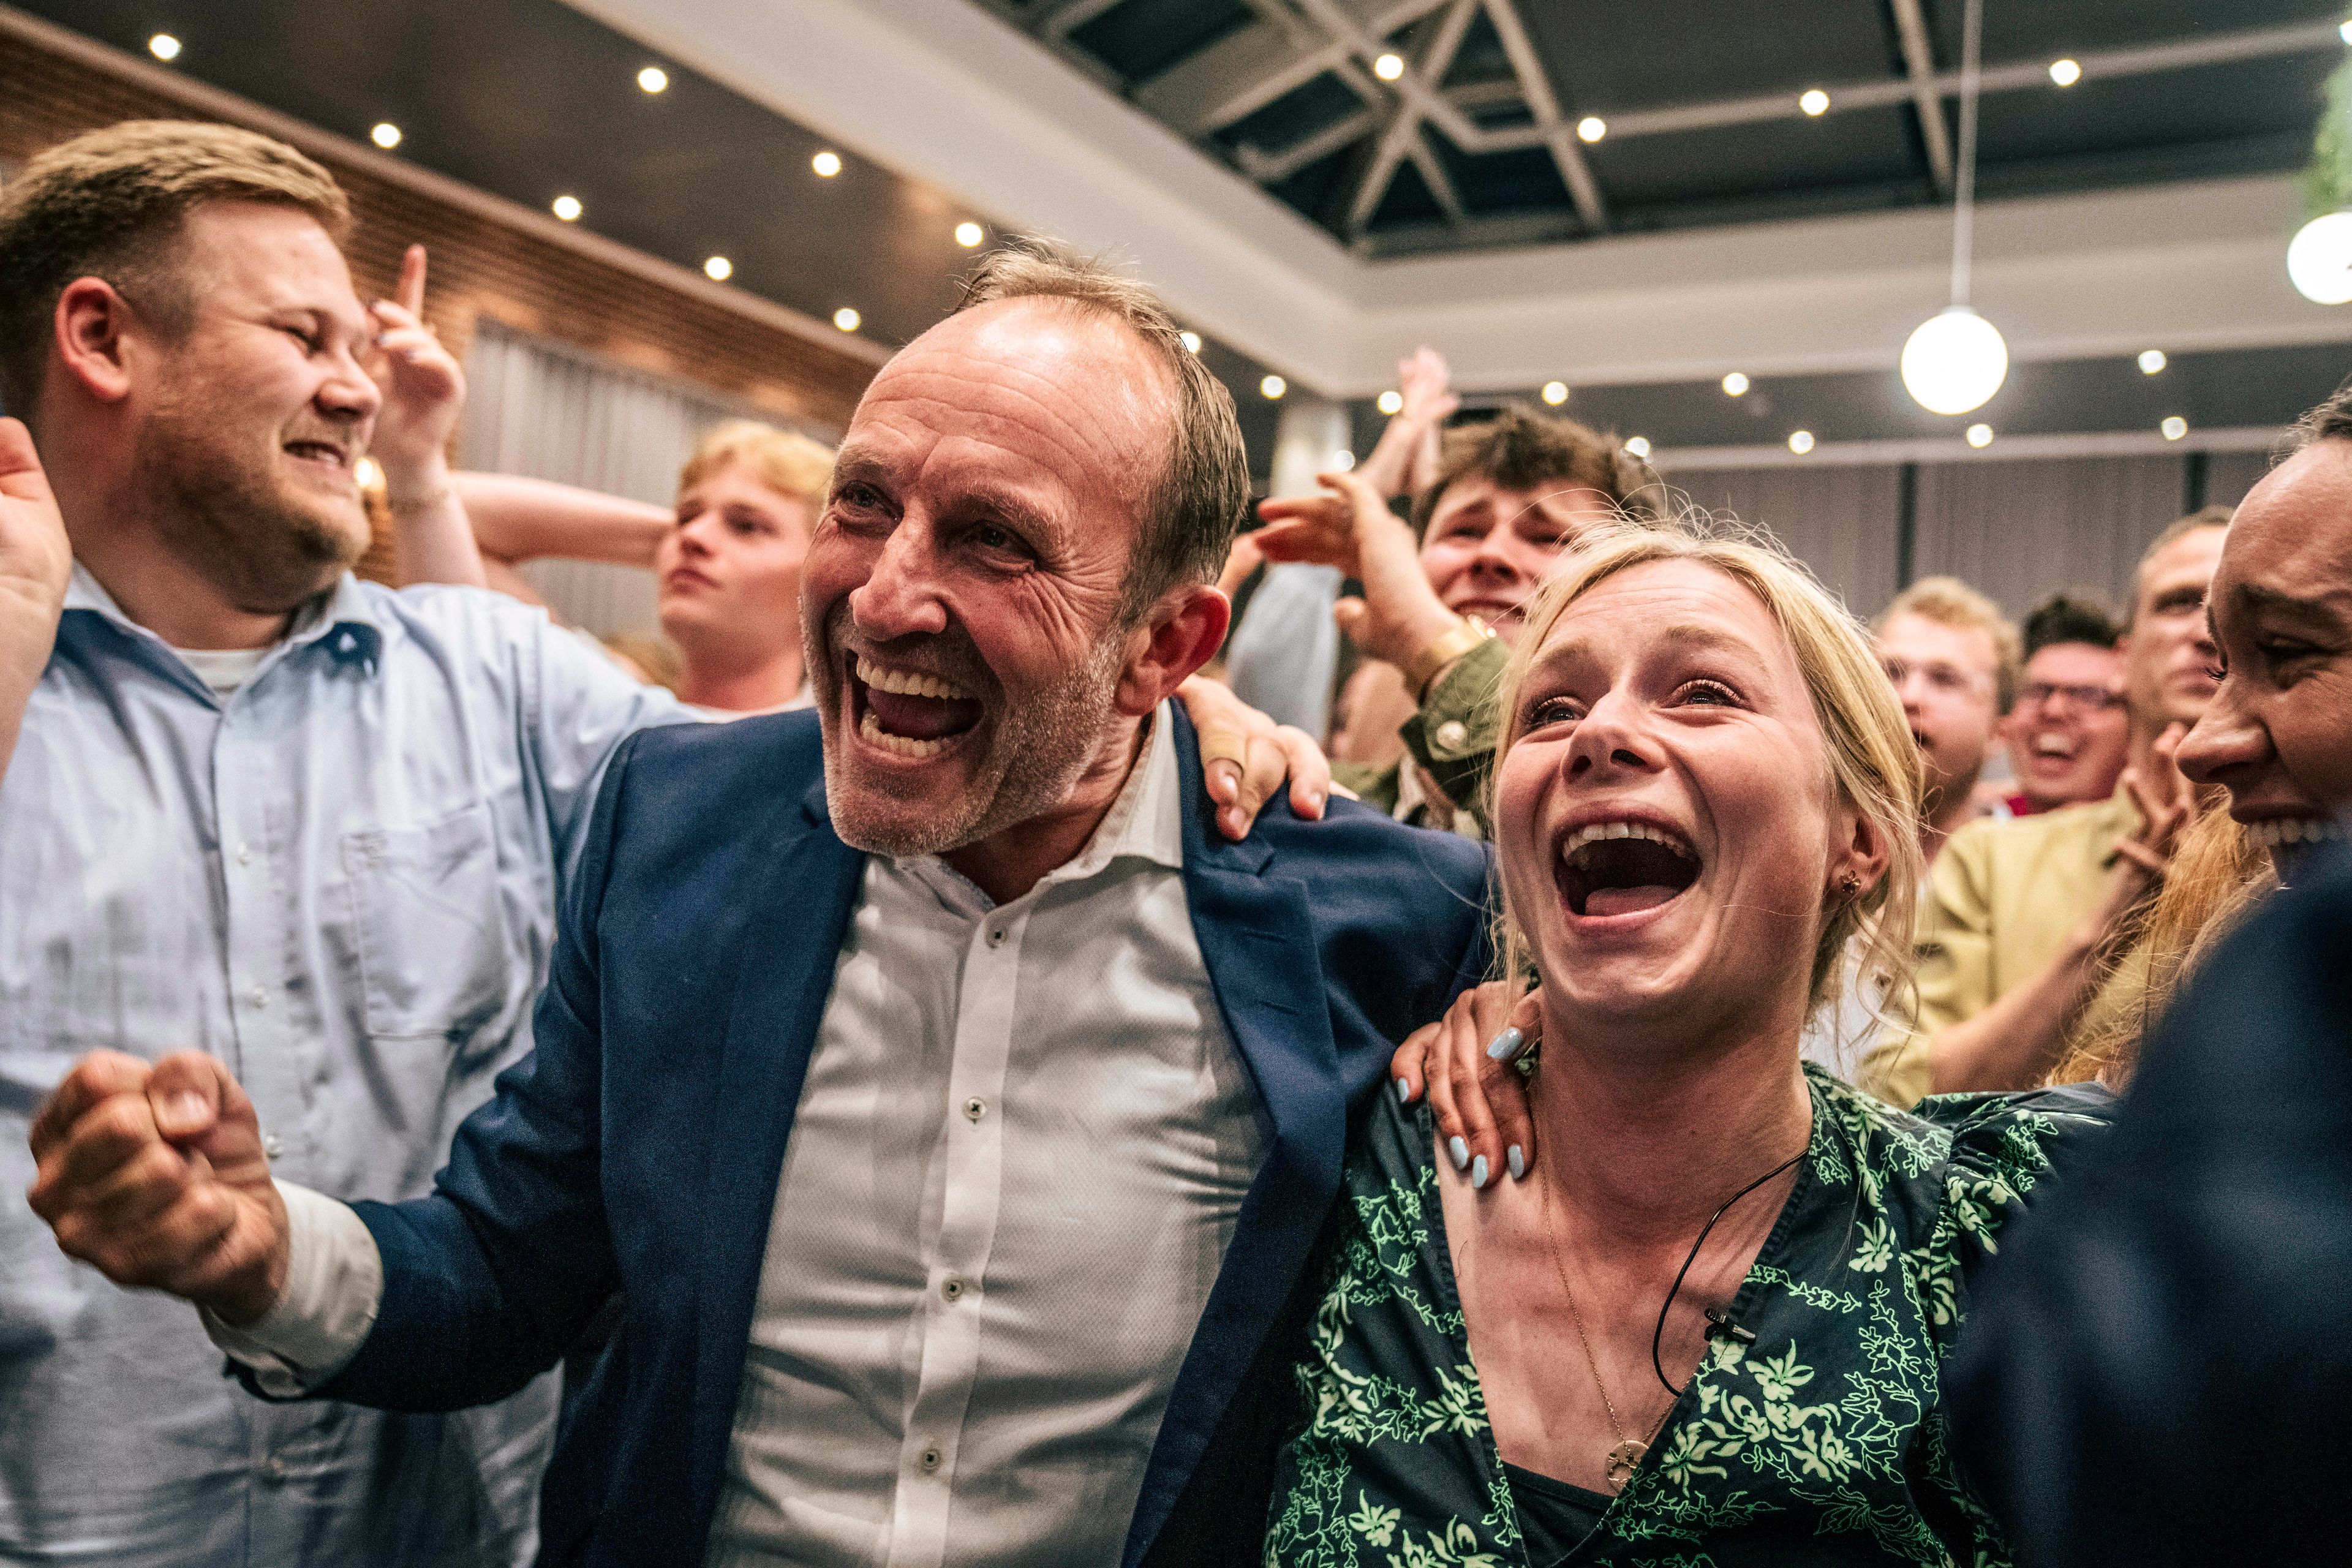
2219 874
1872 761
784 460
1949 602
110 203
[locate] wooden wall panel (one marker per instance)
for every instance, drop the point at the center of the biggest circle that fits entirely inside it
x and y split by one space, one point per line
489 258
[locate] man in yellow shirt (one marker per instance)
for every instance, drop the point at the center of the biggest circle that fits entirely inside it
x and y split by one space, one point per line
2021 921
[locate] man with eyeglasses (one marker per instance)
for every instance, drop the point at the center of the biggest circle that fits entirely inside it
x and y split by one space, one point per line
2021 920
2069 731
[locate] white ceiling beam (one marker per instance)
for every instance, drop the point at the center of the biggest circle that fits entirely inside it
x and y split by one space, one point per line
1402 136
1550 130
1273 168
1919 67
1252 65
2215 49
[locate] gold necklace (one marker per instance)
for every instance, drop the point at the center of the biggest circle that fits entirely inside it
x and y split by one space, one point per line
1626 1457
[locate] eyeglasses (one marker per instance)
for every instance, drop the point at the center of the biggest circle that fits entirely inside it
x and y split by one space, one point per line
2090 699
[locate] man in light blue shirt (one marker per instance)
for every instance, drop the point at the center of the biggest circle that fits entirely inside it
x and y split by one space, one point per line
260 808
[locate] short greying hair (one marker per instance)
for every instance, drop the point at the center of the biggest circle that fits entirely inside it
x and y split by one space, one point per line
1195 510
110 203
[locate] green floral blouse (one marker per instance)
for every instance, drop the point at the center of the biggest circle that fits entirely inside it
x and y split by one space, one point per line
1822 1442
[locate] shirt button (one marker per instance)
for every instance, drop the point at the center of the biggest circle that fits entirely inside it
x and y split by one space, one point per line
258 997
273 1468
1452 733
952 1289
243 855
928 1460
975 1109
271 1146
996 936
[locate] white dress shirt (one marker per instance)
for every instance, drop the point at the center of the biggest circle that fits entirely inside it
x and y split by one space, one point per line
1018 1159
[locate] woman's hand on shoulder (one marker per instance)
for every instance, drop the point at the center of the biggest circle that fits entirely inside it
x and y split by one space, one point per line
1466 1063
1245 756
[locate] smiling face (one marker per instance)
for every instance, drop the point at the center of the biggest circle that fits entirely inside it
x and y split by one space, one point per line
1488 550
730 573
1667 820
2278 732
2069 732
1947 676
251 422
2169 656
962 593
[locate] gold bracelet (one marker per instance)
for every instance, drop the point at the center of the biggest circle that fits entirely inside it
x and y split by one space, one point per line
431 502
1422 671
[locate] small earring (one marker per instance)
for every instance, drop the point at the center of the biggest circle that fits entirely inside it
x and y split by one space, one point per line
1850 884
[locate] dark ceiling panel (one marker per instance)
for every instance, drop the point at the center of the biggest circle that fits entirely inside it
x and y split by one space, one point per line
2041 30
2233 101
1617 55
1294 116
1140 39
1863 147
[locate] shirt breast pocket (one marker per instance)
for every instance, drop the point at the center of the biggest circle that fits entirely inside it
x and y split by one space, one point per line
432 931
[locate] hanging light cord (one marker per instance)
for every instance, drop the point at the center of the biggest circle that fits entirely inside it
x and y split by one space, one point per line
1964 183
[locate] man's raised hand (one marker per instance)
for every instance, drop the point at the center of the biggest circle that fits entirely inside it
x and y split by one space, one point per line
156 1177
35 558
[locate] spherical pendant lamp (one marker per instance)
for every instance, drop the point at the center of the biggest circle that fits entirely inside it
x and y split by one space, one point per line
2319 260
1955 361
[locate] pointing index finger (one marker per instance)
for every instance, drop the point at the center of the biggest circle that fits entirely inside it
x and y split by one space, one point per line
410 294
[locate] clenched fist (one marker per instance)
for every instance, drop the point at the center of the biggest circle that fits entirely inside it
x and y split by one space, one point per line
156 1176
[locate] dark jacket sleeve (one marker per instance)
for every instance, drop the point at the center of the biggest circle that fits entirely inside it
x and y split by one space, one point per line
491 1279
2157 1364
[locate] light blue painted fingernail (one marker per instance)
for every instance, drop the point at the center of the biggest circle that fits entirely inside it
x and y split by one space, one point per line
1404 1091
1460 1151
1517 1159
1505 1045
1478 1171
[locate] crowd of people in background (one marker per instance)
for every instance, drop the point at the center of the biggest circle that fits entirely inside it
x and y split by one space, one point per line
986 1101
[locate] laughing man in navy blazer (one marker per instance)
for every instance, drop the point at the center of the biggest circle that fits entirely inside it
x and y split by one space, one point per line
952 1110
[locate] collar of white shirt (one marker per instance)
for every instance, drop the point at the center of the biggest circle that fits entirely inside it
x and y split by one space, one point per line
1146 822
343 609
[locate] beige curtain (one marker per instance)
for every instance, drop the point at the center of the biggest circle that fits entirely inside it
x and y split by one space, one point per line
552 412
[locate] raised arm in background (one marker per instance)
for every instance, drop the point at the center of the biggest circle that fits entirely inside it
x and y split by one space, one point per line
35 560
423 393
1406 456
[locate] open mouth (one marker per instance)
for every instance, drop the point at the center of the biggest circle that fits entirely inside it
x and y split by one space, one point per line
2057 746
324 453
1622 867
907 711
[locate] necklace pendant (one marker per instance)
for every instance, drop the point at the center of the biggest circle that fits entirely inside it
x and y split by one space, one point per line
1623 1460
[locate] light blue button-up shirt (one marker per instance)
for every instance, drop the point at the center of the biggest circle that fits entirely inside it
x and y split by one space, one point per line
342 880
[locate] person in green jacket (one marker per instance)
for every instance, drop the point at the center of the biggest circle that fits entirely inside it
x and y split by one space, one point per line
1444 593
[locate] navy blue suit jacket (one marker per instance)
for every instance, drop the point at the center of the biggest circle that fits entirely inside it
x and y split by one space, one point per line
638 1148
2155 1369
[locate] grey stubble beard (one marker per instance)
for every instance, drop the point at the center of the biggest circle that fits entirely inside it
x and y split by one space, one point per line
1037 754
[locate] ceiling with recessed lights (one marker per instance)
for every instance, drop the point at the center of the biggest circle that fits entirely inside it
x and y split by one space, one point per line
1414 125
1610 204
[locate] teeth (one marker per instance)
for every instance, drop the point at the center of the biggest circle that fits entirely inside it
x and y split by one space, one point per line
1594 832
905 745
907 683
2274 831
2053 746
